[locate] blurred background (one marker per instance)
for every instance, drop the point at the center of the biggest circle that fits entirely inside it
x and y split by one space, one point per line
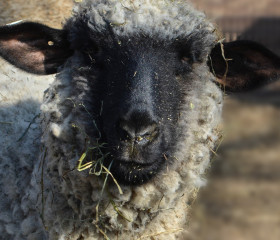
242 198
50 12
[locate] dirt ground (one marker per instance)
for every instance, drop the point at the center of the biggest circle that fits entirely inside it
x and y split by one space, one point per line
50 12
241 201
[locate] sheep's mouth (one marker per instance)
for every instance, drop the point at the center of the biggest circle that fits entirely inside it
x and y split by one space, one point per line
133 173
135 163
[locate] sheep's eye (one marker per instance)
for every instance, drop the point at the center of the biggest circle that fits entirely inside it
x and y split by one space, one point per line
186 60
185 57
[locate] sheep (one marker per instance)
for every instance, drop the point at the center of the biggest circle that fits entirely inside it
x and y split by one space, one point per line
136 104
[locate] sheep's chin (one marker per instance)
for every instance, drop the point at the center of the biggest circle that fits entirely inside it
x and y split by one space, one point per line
133 173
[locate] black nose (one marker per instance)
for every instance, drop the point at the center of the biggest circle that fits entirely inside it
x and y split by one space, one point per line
140 130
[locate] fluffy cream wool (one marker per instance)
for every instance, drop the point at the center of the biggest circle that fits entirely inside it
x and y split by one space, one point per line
158 206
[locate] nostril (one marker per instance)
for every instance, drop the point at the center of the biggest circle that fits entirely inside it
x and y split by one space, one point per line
147 131
149 134
124 135
125 131
139 134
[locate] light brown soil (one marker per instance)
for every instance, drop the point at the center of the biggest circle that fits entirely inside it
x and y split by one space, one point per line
50 12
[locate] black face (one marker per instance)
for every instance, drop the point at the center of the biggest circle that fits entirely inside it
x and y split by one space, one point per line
140 87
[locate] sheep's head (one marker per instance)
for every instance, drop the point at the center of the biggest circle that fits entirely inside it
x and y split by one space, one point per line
137 79
141 93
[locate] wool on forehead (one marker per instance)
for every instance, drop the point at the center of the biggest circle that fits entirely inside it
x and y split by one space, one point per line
170 19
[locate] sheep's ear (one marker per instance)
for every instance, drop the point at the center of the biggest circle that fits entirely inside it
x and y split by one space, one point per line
243 65
34 47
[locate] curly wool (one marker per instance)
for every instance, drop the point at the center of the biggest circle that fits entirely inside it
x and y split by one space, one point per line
58 202
21 95
158 206
166 18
